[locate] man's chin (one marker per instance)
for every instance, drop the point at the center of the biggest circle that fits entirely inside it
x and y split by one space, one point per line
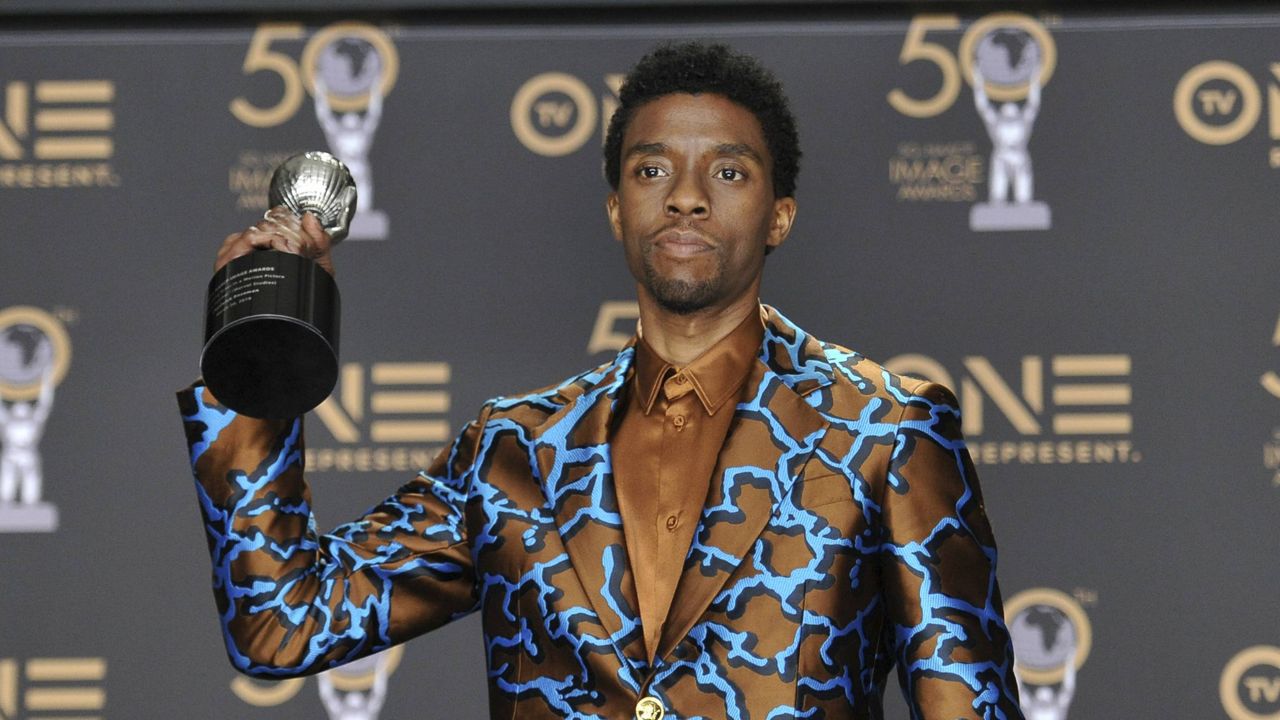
678 307
681 297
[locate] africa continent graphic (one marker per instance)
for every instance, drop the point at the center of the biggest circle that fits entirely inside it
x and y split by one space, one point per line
25 353
349 66
1008 56
1043 638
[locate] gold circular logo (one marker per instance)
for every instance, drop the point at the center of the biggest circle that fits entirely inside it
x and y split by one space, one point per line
1237 682
1184 99
44 347
1040 652
382 47
1015 21
526 103
267 693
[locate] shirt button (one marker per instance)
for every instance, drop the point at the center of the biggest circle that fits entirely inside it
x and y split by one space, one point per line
679 379
678 421
672 522
649 708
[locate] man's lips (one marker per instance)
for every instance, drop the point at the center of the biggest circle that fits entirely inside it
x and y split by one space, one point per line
682 242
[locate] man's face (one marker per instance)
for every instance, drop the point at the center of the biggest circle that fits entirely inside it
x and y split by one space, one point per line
695 207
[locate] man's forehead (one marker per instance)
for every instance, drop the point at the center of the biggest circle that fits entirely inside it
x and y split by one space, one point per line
715 118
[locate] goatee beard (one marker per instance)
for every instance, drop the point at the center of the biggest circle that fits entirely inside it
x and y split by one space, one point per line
680 297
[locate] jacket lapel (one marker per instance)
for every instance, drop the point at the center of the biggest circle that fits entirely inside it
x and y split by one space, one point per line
773 434
575 468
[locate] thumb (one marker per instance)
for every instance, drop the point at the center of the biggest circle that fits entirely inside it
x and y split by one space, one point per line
315 232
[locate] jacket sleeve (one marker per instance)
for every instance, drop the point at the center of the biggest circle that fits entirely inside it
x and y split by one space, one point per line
294 602
954 655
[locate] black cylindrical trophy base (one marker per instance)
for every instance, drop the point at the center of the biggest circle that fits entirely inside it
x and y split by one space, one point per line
271 335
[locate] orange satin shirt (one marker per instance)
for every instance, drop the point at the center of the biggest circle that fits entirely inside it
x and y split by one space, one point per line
665 444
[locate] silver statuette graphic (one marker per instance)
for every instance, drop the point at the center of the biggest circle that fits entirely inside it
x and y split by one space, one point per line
1009 58
353 69
35 352
271 326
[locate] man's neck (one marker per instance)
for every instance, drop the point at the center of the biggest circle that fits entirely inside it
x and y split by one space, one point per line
680 339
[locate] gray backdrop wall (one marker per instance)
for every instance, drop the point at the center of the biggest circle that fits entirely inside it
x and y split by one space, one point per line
1113 339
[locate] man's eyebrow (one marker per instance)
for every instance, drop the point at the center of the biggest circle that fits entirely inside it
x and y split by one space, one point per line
732 149
739 149
653 148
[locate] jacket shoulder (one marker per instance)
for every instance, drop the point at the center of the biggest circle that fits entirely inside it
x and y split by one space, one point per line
532 407
858 380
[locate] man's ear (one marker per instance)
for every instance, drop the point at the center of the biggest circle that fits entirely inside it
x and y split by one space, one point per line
615 220
784 214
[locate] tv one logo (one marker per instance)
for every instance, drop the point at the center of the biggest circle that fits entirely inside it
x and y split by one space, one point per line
1218 103
1250 684
1066 408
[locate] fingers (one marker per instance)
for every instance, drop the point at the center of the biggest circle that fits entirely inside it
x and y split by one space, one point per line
234 246
316 240
284 231
279 229
311 227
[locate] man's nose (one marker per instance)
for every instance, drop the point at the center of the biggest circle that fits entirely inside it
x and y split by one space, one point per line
688 196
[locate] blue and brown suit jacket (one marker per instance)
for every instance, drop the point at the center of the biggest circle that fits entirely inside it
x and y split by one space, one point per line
844 534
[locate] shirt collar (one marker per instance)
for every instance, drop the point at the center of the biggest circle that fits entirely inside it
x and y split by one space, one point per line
714 376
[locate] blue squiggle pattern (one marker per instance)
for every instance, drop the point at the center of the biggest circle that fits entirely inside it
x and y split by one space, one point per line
806 592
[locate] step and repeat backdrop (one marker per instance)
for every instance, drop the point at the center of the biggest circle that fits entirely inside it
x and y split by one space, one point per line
1069 219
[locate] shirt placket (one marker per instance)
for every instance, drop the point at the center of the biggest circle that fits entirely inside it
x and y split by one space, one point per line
679 439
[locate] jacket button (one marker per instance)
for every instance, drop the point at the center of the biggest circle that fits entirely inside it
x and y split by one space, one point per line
649 708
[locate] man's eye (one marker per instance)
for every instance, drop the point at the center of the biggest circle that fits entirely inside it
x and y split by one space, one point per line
730 174
651 171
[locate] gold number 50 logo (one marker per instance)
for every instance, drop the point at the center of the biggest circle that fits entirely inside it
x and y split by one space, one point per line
299 77
915 48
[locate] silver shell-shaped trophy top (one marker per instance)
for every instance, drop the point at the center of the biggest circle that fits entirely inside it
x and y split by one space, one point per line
318 182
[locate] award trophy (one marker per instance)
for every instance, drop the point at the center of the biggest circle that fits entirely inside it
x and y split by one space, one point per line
271 322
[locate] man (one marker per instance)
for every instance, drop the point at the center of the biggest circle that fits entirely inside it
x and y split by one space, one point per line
730 519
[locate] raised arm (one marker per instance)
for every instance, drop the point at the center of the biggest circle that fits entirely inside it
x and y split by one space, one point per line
373 113
1068 690
1033 97
980 100
292 601
378 693
324 114
44 402
329 696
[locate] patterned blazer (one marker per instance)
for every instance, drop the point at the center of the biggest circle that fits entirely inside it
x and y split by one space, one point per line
844 533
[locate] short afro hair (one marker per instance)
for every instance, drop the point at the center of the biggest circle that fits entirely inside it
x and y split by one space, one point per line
697 67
